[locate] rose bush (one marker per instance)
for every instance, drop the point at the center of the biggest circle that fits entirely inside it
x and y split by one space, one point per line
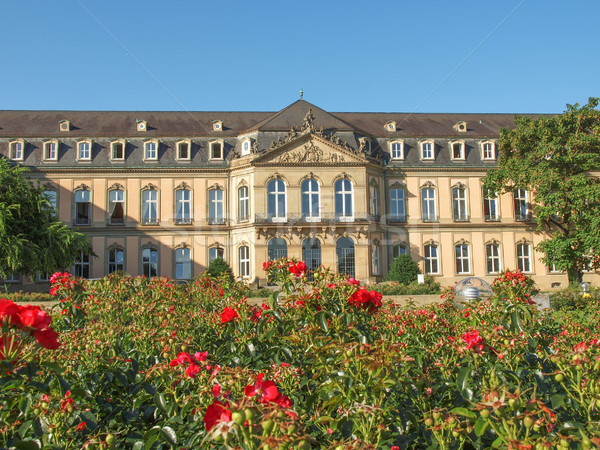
151 363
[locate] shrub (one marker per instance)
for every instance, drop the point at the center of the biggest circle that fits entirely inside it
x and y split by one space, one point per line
219 267
571 299
429 287
403 270
28 297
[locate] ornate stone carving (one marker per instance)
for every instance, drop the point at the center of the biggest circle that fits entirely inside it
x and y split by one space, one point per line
150 187
182 185
82 187
116 186
310 154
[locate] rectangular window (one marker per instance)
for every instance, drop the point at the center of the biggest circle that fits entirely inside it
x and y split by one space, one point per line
214 253
431 259
151 151
216 150
16 150
43 276
117 151
428 205
492 252
521 205
150 207
489 151
244 258
376 262
397 150
490 207
116 207
183 151
397 205
398 250
183 264
459 204
462 259
51 197
458 151
13 277
82 265
216 206
84 151
427 150
183 206
82 207
150 262
374 197
50 151
524 257
116 260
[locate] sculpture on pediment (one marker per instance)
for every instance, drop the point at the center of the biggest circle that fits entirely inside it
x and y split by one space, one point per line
363 145
308 121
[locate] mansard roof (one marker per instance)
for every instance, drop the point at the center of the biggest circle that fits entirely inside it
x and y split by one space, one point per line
44 124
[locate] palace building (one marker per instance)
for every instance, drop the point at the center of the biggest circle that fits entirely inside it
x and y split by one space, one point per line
164 193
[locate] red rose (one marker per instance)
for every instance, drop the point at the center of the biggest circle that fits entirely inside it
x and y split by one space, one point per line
9 312
192 370
353 281
267 265
298 269
215 413
228 315
81 426
33 317
47 338
265 390
473 340
364 299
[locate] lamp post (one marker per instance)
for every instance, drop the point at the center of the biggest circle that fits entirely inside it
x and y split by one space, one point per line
585 288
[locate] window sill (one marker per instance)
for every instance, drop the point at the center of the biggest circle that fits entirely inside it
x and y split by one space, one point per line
183 221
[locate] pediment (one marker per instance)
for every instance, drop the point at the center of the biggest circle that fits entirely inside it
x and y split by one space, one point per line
311 150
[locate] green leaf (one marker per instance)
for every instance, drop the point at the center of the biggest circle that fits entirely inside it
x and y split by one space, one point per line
322 321
463 412
159 400
557 400
323 419
169 434
480 426
463 378
28 445
498 442
515 324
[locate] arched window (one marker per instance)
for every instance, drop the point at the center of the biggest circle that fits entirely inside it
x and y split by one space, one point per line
344 200
311 255
183 206
216 206
310 200
82 207
183 264
463 264
397 205
276 200
397 250
243 204
345 256
150 262
374 200
116 260
428 204
431 259
459 204
376 259
116 207
244 261
214 253
150 207
277 249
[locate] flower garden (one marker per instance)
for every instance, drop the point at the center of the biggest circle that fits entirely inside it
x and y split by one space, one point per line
147 364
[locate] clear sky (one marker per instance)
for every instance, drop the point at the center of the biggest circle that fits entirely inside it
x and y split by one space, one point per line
514 56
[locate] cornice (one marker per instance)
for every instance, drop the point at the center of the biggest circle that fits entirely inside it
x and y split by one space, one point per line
128 170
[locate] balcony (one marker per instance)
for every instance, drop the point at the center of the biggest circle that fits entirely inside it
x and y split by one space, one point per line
491 218
182 221
460 218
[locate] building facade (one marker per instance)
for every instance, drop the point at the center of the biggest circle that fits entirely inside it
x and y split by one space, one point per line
164 193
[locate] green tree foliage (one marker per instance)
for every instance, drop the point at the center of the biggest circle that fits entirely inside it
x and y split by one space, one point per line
219 267
557 158
31 236
403 270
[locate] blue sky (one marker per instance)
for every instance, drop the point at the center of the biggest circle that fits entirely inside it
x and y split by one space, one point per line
510 56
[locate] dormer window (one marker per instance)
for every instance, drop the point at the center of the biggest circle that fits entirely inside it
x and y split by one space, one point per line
457 149
51 150
461 127
217 125
16 150
246 146
64 126
151 150
216 150
397 150
488 151
141 125
117 150
427 150
84 150
390 126
184 150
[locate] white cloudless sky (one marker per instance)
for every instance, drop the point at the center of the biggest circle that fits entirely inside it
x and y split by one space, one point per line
508 56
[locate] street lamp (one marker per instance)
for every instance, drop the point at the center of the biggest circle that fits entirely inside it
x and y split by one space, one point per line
585 288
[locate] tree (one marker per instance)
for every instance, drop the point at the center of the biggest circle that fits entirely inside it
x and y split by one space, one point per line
31 236
557 158
403 270
219 267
